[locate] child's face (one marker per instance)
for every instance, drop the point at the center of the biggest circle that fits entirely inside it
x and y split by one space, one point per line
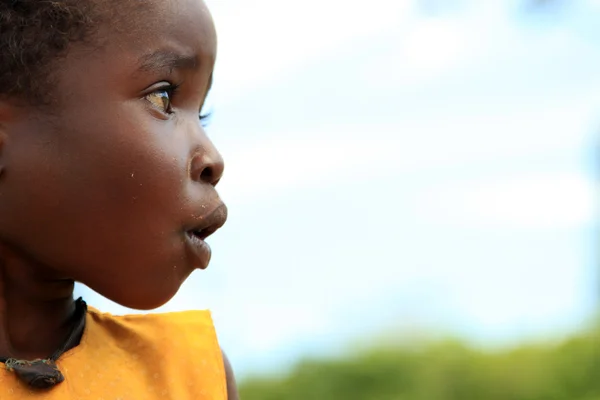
108 190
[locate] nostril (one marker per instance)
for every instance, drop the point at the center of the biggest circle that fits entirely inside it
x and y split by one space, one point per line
207 175
207 166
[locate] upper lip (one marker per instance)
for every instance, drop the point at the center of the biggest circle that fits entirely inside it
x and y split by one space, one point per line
207 224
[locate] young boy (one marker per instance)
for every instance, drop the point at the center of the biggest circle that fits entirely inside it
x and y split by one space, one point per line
106 178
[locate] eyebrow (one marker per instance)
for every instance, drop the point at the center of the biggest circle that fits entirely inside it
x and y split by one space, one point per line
168 61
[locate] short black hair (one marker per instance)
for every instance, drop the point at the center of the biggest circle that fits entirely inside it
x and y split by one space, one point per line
34 34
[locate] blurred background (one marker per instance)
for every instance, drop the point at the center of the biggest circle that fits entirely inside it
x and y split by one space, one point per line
413 203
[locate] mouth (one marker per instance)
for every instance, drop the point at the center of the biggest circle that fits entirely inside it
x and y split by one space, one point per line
198 250
201 234
209 224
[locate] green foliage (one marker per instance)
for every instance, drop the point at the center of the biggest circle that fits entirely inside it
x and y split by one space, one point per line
445 371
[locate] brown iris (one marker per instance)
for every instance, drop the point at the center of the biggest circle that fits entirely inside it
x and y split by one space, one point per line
161 99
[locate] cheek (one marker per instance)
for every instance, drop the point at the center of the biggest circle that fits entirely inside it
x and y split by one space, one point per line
125 161
105 183
134 169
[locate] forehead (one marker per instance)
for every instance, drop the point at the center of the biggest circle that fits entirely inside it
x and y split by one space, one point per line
187 22
142 28
137 35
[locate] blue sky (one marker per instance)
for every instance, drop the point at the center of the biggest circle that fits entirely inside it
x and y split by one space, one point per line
392 171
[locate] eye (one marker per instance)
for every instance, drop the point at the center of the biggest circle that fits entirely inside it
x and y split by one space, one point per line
161 98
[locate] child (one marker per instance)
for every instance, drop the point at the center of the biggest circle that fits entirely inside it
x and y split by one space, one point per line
106 178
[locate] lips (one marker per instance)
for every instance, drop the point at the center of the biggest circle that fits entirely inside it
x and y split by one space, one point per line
198 250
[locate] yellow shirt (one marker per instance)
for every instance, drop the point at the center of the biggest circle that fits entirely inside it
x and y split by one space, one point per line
171 356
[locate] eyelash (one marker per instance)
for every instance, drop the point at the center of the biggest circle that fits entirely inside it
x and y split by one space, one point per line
170 90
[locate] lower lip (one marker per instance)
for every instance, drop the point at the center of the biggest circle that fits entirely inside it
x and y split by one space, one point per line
198 251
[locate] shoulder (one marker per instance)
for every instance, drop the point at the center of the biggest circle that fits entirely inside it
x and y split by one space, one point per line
196 366
177 329
194 330
232 392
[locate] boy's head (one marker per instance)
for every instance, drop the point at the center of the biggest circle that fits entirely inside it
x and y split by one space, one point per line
106 174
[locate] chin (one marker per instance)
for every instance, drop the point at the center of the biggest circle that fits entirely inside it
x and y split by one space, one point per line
145 304
141 287
142 298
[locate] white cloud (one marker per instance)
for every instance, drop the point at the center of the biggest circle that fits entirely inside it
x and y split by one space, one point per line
435 44
268 326
423 50
539 201
477 41
594 3
337 153
260 40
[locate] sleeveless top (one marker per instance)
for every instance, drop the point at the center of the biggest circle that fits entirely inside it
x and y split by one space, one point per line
170 356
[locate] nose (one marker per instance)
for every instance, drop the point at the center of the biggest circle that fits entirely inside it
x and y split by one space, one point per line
207 165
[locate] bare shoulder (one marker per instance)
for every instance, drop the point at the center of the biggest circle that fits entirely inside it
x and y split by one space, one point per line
232 392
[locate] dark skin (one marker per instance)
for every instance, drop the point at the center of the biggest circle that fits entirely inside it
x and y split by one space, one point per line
105 185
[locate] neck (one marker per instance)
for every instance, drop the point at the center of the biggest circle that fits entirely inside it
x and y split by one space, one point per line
35 309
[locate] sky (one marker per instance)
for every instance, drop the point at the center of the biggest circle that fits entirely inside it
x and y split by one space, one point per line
393 169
